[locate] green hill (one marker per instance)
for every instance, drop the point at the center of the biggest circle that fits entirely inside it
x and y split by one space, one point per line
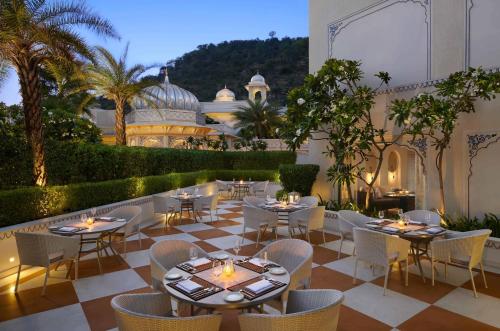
204 71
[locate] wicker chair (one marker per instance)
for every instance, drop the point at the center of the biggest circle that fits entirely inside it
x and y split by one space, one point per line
259 219
380 249
223 188
153 312
307 219
166 205
133 215
465 248
207 203
348 220
295 256
309 201
253 201
165 255
42 250
316 310
425 216
259 188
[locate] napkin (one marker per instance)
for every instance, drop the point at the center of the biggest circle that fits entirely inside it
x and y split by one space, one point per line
435 230
390 229
68 229
198 262
260 286
374 221
256 261
107 219
417 223
189 286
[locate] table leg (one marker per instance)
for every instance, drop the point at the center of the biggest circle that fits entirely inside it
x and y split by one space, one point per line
98 251
416 256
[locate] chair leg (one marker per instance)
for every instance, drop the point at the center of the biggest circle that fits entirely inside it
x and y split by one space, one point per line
124 246
433 271
243 235
17 278
407 266
45 281
482 273
258 238
76 268
324 238
140 240
355 270
445 270
472 281
308 236
340 249
69 268
276 233
386 277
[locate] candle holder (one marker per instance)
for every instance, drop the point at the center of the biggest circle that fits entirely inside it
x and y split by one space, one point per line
228 269
90 221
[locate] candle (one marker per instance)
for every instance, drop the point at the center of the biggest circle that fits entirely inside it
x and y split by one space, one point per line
90 220
228 268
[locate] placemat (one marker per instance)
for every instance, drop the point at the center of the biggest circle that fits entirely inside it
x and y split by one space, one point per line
194 270
255 268
249 295
208 288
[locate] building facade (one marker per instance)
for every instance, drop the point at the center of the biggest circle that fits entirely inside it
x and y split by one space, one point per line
419 42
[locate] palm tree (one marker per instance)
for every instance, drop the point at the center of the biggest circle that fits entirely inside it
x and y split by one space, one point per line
259 119
112 79
3 72
33 32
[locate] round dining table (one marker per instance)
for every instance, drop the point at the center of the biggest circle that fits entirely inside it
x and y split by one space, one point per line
283 210
93 234
187 202
240 188
217 300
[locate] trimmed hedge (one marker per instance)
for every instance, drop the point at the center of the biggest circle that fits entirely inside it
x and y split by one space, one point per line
26 204
77 163
298 177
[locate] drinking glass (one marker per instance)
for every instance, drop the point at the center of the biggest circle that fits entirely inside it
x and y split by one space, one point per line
428 218
237 246
93 211
193 253
250 179
381 214
400 213
263 258
83 218
216 268
196 190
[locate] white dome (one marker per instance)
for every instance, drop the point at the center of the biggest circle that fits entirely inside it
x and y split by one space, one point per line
169 96
225 95
258 78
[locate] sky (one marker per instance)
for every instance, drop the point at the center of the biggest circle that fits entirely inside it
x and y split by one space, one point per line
162 30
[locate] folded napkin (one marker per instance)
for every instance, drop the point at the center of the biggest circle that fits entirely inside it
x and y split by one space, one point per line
256 261
435 230
68 229
260 286
374 221
198 262
390 229
416 223
189 286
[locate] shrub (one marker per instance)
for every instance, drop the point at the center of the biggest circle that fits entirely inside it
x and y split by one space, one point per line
26 204
298 177
78 162
462 223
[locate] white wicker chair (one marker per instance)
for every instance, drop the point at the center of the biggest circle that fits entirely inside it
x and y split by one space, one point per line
380 249
316 310
207 203
464 248
165 255
425 216
153 312
223 188
295 256
309 201
166 205
307 219
42 250
133 215
260 220
259 188
253 201
347 221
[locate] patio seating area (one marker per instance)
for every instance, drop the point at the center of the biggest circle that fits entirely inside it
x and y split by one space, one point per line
448 303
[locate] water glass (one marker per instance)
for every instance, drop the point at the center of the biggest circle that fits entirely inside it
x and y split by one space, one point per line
381 214
93 211
216 268
237 246
83 218
400 213
193 253
263 258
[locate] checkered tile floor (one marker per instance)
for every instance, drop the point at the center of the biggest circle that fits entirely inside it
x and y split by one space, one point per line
85 304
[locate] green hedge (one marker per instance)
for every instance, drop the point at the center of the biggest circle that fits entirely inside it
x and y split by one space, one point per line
26 204
77 163
298 177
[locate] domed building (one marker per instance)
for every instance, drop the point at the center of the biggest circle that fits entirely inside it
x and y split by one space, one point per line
171 114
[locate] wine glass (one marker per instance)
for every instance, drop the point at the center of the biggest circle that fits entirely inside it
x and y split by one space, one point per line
216 268
400 213
193 253
93 211
381 214
83 218
237 246
428 218
196 190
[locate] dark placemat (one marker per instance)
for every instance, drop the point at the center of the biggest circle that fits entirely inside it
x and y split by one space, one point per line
249 295
255 268
198 295
192 270
58 231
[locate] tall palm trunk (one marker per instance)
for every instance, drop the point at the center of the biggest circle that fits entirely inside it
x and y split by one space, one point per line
439 166
31 93
121 138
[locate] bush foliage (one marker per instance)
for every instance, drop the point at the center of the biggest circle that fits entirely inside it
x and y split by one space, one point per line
298 177
26 204
78 162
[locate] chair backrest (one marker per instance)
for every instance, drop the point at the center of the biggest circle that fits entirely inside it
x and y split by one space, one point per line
261 186
209 201
150 311
254 217
466 244
32 248
426 216
310 201
253 201
166 254
373 246
221 185
163 204
289 253
354 217
306 310
315 217
133 215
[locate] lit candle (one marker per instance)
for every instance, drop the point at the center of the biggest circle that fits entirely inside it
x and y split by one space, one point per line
228 268
90 220
241 181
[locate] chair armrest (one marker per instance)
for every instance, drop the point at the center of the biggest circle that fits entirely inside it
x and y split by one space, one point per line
70 246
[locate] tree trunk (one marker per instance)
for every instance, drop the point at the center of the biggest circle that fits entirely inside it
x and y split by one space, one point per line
349 192
29 81
121 138
439 166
